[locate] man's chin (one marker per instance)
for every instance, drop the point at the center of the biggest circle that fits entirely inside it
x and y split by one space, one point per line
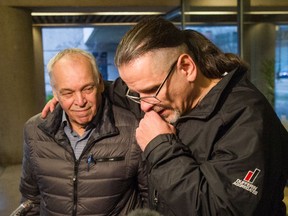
168 115
172 118
83 121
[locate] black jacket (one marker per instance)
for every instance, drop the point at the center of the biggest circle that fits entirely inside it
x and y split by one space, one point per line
109 178
229 156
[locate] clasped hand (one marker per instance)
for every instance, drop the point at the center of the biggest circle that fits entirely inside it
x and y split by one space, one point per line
151 126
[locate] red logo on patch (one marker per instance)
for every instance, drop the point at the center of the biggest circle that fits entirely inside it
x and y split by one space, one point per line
251 175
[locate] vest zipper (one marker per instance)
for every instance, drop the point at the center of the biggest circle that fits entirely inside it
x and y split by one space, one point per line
75 188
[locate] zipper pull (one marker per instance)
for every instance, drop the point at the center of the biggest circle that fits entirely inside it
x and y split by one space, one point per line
90 162
155 199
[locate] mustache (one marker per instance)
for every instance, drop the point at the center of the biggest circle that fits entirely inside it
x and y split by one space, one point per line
160 108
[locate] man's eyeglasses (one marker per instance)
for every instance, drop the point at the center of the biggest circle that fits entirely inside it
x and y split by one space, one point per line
153 98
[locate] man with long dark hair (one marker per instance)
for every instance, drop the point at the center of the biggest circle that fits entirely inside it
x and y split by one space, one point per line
213 143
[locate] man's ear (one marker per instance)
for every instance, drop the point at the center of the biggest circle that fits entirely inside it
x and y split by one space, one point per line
188 67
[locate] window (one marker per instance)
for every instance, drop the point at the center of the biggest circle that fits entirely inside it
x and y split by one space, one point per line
281 74
225 37
101 41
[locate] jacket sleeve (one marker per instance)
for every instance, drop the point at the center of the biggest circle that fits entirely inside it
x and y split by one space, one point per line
28 185
217 186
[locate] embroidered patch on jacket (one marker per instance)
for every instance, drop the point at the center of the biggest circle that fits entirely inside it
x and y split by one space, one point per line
247 182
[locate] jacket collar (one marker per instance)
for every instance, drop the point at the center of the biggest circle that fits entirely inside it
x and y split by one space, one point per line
217 94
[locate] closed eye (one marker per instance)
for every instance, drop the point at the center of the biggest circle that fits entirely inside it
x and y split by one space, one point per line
66 93
88 89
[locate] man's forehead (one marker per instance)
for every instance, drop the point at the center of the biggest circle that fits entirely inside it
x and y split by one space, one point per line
142 83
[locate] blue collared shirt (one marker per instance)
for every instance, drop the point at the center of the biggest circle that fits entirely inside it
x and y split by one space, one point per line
77 142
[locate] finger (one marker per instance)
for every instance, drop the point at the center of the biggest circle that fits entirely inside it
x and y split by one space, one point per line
53 104
173 129
140 138
45 110
51 107
152 114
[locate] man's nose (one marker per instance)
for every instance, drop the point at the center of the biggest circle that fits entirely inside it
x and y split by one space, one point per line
146 107
80 99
